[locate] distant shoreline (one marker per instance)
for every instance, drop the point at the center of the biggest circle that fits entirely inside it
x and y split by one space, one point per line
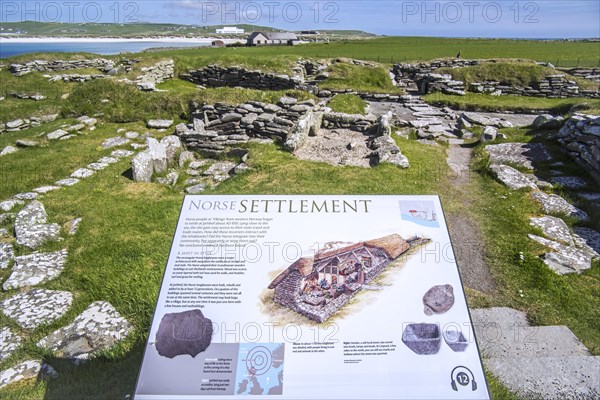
166 39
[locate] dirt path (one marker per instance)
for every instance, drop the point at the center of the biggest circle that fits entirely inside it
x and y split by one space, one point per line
464 231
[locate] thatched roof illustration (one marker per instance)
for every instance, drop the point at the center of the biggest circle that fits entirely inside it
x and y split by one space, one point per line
303 265
394 245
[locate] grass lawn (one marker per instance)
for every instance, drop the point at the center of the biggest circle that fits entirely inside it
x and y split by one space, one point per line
347 103
358 77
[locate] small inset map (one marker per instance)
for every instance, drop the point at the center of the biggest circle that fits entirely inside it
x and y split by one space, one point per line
420 212
260 369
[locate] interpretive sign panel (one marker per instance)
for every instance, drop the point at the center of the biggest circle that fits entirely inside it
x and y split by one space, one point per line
297 297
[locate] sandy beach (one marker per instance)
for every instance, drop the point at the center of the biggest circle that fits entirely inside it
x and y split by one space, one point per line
165 39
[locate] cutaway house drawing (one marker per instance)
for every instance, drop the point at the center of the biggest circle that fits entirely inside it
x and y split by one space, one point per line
318 286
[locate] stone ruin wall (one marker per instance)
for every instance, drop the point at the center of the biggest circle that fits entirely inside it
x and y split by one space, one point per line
426 80
580 138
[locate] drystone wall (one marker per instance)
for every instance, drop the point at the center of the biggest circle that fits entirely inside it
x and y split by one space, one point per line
216 76
101 64
580 137
216 127
426 80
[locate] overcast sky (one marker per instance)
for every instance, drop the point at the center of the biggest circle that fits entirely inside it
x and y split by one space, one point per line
500 18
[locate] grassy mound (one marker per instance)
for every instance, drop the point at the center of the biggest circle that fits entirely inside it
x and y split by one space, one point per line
360 78
486 102
347 103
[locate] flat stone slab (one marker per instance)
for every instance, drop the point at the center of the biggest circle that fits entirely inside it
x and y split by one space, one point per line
45 189
108 160
26 370
504 332
121 153
114 142
486 120
99 327
26 196
8 205
7 254
511 177
198 188
570 182
31 229
37 307
36 268
82 173
97 166
540 182
551 378
554 204
67 182
159 123
565 259
554 228
220 168
520 154
9 342
57 134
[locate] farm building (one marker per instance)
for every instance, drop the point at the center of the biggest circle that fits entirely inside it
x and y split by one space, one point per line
271 38
318 287
217 43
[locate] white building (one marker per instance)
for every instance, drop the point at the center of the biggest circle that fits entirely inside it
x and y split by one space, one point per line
230 30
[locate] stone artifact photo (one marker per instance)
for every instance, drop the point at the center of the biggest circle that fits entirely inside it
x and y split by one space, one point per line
316 287
187 332
438 299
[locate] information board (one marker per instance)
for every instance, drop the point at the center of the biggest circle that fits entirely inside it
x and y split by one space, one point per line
298 297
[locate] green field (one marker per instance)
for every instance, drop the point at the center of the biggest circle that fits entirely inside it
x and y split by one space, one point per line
409 49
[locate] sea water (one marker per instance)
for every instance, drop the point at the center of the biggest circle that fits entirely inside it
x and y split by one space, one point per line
9 49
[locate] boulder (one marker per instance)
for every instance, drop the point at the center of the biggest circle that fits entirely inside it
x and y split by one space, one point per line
547 121
8 150
489 134
158 153
26 143
172 145
142 167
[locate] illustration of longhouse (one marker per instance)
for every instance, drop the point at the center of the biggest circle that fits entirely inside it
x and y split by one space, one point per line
318 287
